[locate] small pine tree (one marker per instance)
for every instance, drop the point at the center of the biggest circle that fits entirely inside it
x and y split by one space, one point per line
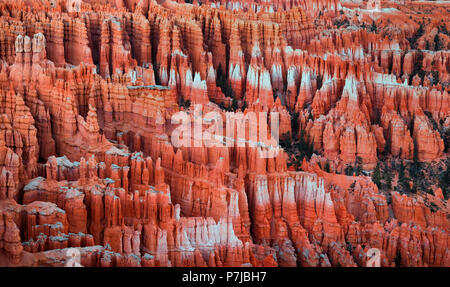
156 73
401 171
301 142
402 179
416 167
219 75
244 106
294 123
376 175
443 29
414 187
373 27
420 30
437 43
387 147
349 247
327 166
309 147
389 181
387 176
285 141
234 104
348 170
358 165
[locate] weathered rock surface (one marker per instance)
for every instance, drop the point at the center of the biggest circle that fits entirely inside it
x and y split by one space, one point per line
87 98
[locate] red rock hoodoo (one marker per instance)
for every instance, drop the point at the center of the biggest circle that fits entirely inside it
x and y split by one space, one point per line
94 93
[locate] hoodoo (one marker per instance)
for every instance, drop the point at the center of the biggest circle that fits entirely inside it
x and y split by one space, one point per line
314 132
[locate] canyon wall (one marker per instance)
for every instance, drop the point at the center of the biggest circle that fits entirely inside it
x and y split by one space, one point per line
89 91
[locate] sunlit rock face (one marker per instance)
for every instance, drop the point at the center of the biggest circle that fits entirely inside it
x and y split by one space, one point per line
88 95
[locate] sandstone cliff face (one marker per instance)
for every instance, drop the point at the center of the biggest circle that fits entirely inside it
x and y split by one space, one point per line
86 158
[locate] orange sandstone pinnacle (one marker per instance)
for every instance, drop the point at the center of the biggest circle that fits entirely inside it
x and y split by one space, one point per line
89 91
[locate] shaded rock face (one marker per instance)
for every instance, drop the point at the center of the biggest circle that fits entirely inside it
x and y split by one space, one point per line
88 90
